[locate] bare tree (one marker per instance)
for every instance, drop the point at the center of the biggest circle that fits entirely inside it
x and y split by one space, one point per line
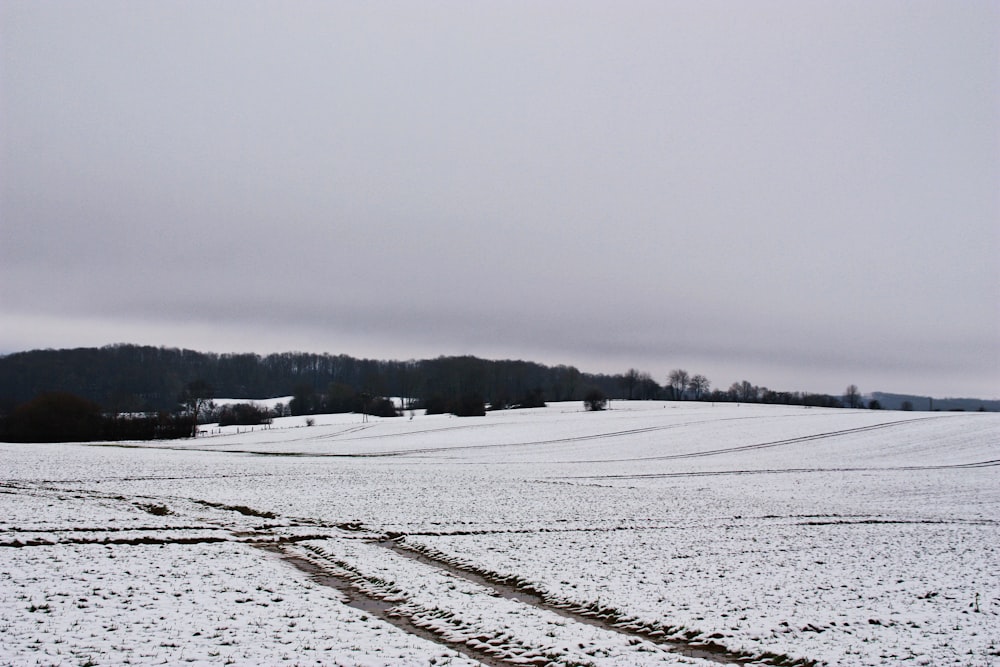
648 388
678 382
698 385
852 397
744 392
196 397
629 381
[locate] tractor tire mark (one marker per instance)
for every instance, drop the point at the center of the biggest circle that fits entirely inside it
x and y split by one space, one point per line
779 471
552 441
689 643
384 601
769 444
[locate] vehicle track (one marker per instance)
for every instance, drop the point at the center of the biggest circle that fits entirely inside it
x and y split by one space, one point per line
521 591
432 450
779 471
677 640
767 445
636 431
552 441
385 607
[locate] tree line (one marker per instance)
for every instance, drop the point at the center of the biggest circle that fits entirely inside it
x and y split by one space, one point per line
132 378
63 417
141 392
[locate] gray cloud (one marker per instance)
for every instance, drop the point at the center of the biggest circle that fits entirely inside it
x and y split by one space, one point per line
801 194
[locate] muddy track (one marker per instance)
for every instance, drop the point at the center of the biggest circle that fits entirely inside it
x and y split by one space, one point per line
134 541
255 540
206 531
103 529
673 639
380 607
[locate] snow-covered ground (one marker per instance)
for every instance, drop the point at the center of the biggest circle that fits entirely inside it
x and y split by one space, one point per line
767 533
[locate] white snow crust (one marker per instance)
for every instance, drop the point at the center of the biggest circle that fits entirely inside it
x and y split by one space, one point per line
841 537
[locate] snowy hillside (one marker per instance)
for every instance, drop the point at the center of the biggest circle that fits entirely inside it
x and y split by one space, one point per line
652 533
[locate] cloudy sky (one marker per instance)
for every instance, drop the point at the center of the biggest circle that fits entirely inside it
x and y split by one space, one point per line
803 194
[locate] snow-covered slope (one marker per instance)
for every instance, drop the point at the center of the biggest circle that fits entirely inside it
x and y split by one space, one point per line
831 536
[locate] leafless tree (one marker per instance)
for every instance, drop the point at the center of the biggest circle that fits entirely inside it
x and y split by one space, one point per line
196 397
629 382
678 381
744 392
648 389
852 397
698 385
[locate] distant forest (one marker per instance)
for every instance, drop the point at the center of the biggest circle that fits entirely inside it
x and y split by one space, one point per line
130 378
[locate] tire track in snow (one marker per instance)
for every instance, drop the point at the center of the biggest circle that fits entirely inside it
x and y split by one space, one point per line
351 585
433 450
678 640
552 441
769 444
642 431
778 471
493 646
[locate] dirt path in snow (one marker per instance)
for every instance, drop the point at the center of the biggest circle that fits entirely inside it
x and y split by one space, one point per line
378 607
605 618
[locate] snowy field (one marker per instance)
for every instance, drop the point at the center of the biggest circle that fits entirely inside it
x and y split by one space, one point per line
650 534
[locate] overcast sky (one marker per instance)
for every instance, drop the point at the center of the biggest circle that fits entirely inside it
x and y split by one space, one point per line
801 194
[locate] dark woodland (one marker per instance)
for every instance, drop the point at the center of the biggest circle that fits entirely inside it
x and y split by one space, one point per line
140 392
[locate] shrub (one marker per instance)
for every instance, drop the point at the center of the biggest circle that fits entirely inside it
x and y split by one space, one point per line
595 400
341 398
471 405
54 417
435 405
382 407
533 399
244 414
